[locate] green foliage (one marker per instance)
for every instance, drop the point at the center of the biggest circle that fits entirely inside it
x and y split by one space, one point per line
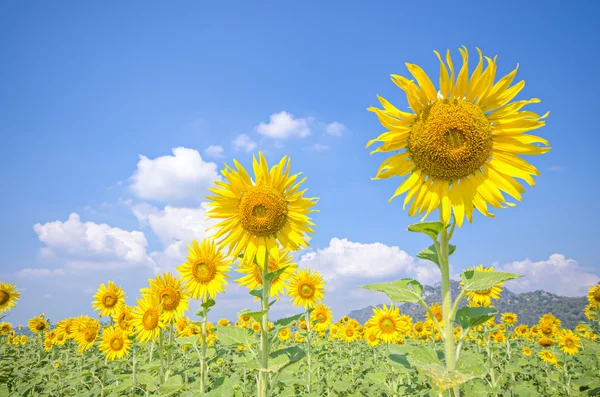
405 290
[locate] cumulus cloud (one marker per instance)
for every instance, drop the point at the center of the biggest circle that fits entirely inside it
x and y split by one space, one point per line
284 125
557 274
214 151
39 273
75 242
182 177
318 147
335 128
245 143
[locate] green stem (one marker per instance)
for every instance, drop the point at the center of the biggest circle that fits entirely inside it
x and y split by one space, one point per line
133 380
308 348
263 378
160 354
203 355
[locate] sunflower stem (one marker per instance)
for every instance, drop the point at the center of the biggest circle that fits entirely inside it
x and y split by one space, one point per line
133 380
308 347
263 378
203 355
160 354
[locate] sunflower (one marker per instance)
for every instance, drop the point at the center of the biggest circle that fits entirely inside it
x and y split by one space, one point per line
509 318
223 322
371 337
108 299
258 214
545 342
548 357
147 319
526 351
591 312
570 343
168 291
438 313
60 338
47 343
115 343
348 333
204 272
56 364
38 324
8 296
386 322
123 316
298 337
67 326
255 326
23 339
551 319
284 335
5 328
87 332
548 329
320 317
521 330
252 278
420 330
484 298
462 144
593 296
181 324
405 323
306 288
245 320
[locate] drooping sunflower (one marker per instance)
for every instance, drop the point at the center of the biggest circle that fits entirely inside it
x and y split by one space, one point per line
548 357
591 312
223 322
386 322
509 318
306 288
484 298
545 342
462 143
549 318
67 326
593 296
115 343
168 291
570 343
87 332
5 328
8 296
108 299
123 316
259 213
38 324
253 278
147 319
204 273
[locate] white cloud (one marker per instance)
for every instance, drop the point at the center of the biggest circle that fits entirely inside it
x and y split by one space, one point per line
318 147
245 143
181 177
283 125
76 242
557 274
39 273
214 151
335 128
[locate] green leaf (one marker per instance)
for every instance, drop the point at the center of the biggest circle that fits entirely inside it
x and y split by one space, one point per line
187 340
293 354
284 322
257 316
234 335
469 317
476 280
430 253
400 359
208 304
405 290
432 229
257 292
273 275
472 364
418 355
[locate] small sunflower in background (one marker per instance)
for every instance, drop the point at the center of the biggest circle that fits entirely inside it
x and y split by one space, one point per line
438 314
548 357
526 351
223 322
115 343
462 144
306 288
168 291
38 324
371 337
204 273
570 343
123 317
284 334
87 332
509 318
108 299
258 215
484 298
320 317
252 278
386 323
147 319
593 296
8 296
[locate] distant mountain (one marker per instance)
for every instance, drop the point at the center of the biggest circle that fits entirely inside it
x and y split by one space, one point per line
529 306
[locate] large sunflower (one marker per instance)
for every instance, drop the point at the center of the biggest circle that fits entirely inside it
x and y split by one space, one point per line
253 278
38 324
570 343
462 143
204 272
306 288
87 332
115 343
386 322
147 319
108 299
8 296
484 298
169 292
593 296
258 213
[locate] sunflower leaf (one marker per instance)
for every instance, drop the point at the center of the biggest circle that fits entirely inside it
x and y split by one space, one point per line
206 305
430 253
404 290
469 317
432 229
257 316
257 292
273 275
234 335
284 322
476 280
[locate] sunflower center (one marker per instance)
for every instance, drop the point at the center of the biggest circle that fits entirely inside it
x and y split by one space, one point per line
116 343
569 343
321 317
204 271
349 332
170 298
372 337
419 327
263 210
596 296
306 291
40 326
150 319
4 297
90 335
546 329
450 139
123 321
109 299
387 324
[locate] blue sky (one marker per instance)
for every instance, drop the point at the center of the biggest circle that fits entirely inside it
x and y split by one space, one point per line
88 88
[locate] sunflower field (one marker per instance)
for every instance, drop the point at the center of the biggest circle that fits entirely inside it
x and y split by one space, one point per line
459 150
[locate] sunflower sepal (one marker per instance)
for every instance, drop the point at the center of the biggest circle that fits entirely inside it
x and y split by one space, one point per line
404 290
469 317
430 253
432 229
476 280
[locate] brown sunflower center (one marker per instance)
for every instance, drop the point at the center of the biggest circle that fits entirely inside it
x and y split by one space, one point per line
306 291
150 319
116 343
419 327
372 337
109 299
90 335
204 271
349 332
170 298
284 332
450 139
263 210
438 315
40 326
321 317
596 296
123 320
4 297
245 318
546 342
546 329
387 324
